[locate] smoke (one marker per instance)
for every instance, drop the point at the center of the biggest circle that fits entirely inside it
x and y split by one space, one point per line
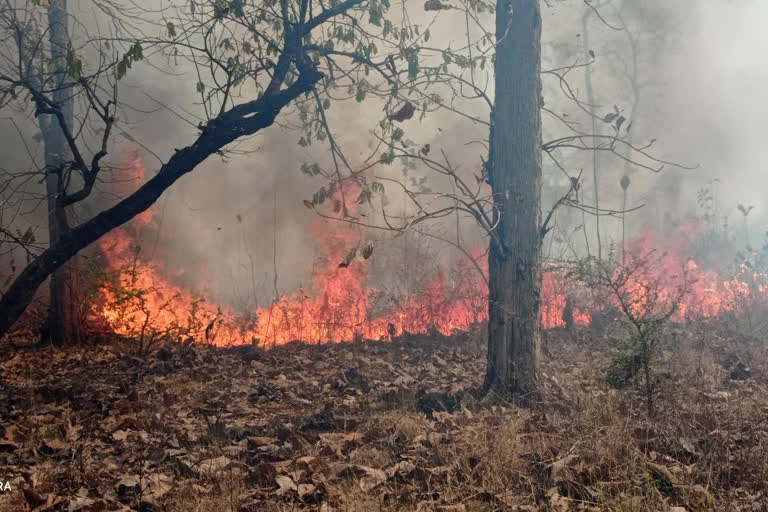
703 102
238 220
712 107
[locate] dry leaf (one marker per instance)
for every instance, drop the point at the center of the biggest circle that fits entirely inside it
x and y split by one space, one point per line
286 485
305 490
404 113
348 258
158 484
212 466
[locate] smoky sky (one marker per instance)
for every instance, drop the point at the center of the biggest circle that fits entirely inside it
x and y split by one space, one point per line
703 101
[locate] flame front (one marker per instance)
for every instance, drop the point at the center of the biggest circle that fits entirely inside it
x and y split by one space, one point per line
139 300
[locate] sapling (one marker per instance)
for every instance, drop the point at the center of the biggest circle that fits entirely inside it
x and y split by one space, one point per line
647 298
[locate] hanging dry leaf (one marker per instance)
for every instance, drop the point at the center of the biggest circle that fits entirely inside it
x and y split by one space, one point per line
624 182
404 113
308 204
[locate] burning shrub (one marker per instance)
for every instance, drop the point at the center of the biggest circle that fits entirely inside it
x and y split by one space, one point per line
133 307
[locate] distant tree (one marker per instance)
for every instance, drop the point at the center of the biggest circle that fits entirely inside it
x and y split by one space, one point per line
43 65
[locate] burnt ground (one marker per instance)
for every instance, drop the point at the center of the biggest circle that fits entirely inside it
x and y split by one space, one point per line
379 426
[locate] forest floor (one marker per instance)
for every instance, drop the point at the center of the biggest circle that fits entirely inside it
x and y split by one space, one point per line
377 426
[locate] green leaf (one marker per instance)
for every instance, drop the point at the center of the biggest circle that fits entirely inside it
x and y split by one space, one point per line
237 7
310 169
364 197
319 196
74 66
360 95
122 68
138 54
375 13
413 65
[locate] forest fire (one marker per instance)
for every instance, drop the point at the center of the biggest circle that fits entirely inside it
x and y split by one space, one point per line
439 256
138 300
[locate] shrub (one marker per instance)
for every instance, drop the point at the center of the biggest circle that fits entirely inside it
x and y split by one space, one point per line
647 297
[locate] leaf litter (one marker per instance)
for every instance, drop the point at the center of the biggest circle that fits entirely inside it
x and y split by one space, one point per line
370 424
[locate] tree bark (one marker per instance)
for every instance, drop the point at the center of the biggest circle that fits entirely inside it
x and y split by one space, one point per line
514 268
239 121
64 323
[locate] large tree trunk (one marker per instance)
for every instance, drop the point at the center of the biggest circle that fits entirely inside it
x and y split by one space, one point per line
64 323
515 176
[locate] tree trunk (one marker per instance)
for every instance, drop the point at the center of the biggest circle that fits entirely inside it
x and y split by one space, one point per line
64 323
595 154
514 268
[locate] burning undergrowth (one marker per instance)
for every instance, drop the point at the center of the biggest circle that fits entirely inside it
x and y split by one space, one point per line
138 297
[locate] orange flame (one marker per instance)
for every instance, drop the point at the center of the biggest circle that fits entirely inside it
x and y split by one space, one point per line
141 301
